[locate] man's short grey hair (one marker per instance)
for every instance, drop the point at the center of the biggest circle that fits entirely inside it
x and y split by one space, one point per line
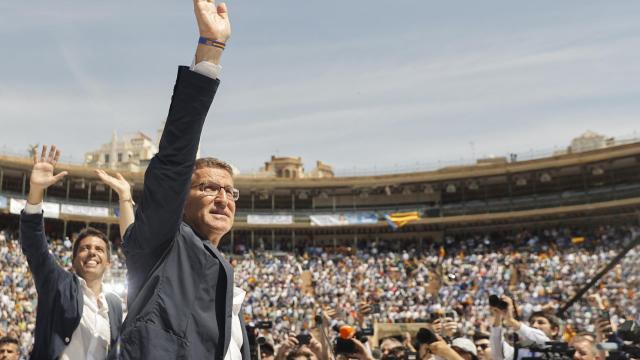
210 162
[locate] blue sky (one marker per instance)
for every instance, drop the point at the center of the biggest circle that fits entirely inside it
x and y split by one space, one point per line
355 84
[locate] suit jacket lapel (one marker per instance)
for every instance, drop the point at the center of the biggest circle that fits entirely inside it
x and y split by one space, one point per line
228 296
246 351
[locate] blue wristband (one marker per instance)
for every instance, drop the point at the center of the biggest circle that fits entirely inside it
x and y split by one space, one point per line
210 42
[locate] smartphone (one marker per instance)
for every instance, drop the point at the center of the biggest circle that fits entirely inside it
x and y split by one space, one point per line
366 332
604 316
265 325
375 308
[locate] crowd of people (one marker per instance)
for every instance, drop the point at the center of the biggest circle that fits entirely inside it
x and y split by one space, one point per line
539 270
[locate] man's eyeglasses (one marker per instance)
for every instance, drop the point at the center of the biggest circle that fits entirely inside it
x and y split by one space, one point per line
213 189
482 346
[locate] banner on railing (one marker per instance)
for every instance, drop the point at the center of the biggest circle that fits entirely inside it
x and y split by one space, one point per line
4 202
51 210
85 210
270 219
344 219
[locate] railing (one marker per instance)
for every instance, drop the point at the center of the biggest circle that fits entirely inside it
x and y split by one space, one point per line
528 202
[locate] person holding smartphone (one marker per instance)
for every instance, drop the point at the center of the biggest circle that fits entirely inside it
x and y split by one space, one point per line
429 344
543 328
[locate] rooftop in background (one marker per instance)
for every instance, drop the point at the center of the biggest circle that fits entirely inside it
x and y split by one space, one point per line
276 167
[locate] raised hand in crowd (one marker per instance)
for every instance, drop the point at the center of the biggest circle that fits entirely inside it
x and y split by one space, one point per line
596 301
439 348
316 347
603 325
362 353
446 326
508 315
364 310
407 342
42 173
287 346
122 187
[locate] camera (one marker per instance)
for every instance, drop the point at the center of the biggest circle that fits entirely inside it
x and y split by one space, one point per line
304 338
407 356
426 336
624 343
496 302
256 341
264 325
552 350
630 331
344 343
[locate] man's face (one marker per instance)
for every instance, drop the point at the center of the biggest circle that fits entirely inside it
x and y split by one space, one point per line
9 351
210 214
484 351
91 260
584 351
392 347
541 323
266 353
465 354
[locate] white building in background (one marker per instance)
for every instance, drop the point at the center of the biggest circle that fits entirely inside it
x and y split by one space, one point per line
590 141
291 167
129 153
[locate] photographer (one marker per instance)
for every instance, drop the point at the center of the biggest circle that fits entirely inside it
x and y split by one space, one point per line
391 346
483 345
543 328
446 324
465 348
267 351
312 350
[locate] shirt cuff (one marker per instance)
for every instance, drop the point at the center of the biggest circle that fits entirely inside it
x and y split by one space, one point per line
207 69
33 209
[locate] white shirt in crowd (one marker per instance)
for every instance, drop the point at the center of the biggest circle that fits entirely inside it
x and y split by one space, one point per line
501 350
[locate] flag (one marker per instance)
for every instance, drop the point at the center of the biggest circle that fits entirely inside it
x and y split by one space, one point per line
577 240
398 220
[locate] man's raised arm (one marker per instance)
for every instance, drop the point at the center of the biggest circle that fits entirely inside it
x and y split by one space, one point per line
32 237
168 177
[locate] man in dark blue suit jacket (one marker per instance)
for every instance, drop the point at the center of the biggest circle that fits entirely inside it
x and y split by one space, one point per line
75 318
181 298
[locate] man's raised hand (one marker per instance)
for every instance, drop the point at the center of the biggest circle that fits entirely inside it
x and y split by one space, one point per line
42 173
213 20
118 183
